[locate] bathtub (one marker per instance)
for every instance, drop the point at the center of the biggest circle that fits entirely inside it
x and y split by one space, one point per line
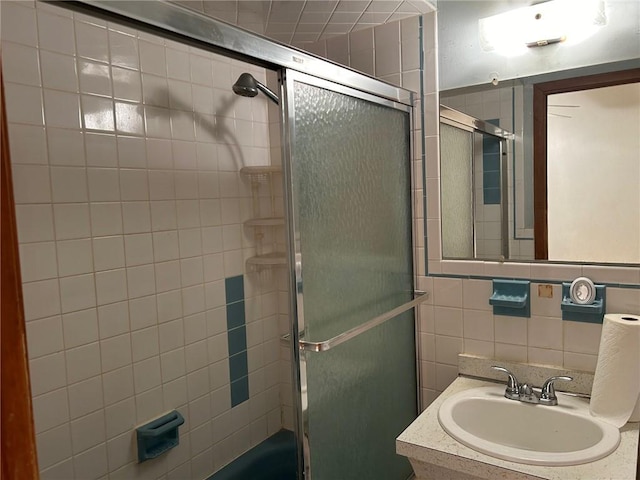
273 459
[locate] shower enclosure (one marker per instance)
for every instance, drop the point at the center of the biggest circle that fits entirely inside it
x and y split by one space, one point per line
348 193
346 168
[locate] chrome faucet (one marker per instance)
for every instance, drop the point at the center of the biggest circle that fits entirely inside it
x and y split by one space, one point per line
526 393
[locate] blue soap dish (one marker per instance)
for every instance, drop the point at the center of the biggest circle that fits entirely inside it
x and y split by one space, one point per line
158 436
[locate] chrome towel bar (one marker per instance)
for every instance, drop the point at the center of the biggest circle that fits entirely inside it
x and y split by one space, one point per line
355 331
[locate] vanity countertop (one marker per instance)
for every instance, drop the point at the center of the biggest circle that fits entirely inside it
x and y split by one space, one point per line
426 441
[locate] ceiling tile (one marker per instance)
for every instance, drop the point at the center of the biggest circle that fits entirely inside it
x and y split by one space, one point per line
305 37
400 16
406 7
320 5
285 10
254 27
314 17
383 6
310 27
375 18
422 6
336 29
273 27
305 21
352 5
258 6
280 37
345 17
362 26
211 6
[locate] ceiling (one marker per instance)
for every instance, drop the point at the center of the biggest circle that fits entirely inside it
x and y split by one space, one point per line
298 22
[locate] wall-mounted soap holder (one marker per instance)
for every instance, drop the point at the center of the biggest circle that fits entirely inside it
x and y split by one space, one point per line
589 313
158 436
511 298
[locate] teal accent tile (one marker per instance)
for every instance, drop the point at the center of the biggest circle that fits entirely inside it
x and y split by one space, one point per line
239 391
235 315
490 145
491 163
238 366
237 339
234 288
491 179
491 196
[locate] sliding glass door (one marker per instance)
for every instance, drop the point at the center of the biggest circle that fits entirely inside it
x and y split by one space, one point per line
348 179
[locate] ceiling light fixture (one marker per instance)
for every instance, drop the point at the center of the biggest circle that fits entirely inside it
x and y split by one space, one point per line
557 21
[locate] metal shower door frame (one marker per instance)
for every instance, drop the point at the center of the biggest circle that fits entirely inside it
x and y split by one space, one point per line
287 78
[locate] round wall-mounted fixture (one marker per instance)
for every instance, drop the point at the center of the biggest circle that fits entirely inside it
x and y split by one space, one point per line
582 291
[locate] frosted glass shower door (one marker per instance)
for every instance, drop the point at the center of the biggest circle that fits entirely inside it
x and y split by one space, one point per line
348 177
456 177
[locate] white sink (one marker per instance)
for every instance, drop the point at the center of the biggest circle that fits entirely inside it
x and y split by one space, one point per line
565 434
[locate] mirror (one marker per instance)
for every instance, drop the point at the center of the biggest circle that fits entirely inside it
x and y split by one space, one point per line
566 173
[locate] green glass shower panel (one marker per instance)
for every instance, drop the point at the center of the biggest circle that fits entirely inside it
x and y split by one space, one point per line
351 181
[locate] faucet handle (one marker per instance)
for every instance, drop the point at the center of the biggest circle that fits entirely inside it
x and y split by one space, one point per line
513 387
548 391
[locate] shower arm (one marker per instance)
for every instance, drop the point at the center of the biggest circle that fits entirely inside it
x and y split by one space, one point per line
272 96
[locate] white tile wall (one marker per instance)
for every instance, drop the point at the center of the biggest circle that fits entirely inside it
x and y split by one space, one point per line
115 146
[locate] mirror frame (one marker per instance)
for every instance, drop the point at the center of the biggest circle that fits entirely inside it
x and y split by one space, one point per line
540 93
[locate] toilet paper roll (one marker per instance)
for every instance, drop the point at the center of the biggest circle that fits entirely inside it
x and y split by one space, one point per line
615 396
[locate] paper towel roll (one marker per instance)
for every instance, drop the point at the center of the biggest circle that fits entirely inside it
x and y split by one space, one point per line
615 396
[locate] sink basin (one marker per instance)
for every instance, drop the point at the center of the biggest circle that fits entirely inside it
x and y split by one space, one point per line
565 434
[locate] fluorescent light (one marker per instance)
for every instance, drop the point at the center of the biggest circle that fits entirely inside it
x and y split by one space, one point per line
569 21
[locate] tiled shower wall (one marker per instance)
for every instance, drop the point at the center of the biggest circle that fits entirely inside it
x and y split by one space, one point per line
126 152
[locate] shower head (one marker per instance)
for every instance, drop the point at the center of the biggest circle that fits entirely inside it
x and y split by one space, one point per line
248 86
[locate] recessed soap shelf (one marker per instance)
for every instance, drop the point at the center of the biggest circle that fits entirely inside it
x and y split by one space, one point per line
158 436
511 298
592 313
